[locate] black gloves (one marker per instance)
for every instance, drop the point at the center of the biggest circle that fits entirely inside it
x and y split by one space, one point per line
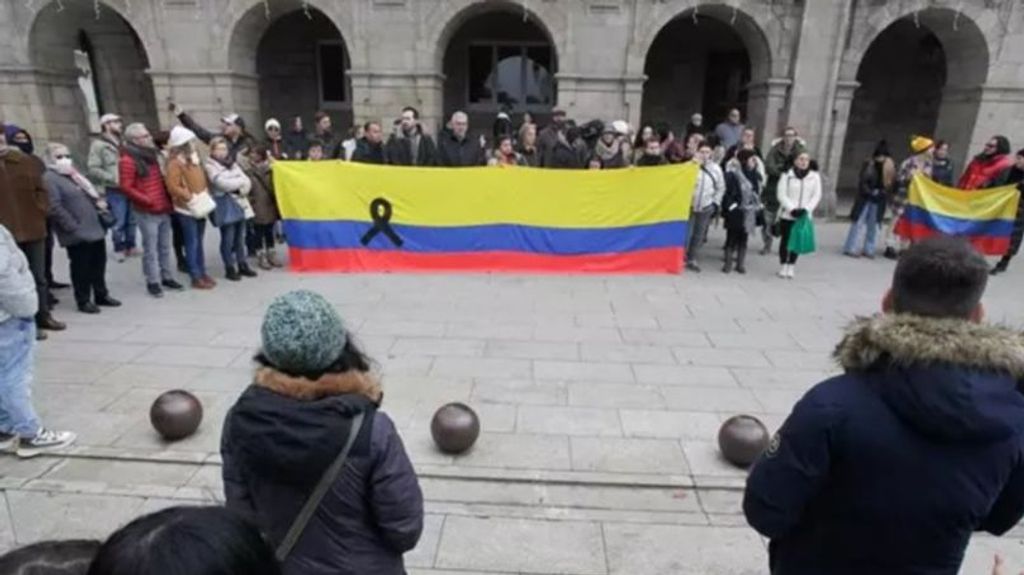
798 213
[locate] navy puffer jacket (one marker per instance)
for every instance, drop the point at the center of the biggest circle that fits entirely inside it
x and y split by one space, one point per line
891 467
280 437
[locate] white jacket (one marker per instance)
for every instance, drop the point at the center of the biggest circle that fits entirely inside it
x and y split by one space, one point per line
17 287
795 193
227 181
710 186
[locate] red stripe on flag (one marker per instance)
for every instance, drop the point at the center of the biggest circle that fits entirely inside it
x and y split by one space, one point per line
658 260
988 245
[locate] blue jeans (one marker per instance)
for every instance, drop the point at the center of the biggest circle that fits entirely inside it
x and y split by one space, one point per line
17 344
232 244
193 231
868 219
124 230
156 246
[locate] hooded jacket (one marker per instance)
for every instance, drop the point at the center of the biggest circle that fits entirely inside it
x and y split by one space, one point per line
889 468
281 436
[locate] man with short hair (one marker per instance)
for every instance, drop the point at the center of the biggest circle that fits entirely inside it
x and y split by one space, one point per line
409 146
455 149
370 148
24 205
143 183
104 157
892 466
707 197
551 137
322 131
730 132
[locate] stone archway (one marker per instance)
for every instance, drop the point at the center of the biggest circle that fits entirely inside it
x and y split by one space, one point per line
293 62
919 74
88 61
494 58
707 59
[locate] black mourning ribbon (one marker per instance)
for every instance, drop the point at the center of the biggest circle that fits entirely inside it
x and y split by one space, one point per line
381 211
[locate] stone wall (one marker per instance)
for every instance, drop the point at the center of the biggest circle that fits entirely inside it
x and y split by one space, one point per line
804 62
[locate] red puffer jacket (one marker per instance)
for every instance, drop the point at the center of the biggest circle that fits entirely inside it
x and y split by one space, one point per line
147 193
982 172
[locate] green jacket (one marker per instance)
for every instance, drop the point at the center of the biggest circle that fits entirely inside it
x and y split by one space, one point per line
103 164
778 162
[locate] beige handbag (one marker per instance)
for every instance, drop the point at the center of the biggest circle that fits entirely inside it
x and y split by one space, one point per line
201 205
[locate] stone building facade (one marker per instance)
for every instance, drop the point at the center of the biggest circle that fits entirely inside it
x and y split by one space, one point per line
845 73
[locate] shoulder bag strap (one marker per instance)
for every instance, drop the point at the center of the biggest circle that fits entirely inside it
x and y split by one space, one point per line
328 479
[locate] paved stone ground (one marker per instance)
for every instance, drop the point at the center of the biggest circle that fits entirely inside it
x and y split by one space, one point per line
600 399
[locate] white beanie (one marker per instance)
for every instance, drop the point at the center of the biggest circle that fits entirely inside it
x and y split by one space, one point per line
620 127
106 118
272 122
180 135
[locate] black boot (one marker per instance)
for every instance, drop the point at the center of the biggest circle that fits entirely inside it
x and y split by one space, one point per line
245 270
232 274
727 268
741 258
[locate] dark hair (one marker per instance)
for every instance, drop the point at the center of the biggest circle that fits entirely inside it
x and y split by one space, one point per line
161 138
260 150
366 126
320 115
70 557
1020 152
316 143
942 276
187 541
351 359
882 149
1002 144
415 112
705 144
502 138
638 141
744 156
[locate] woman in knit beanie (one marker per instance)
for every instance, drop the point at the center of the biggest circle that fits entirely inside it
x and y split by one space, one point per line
290 425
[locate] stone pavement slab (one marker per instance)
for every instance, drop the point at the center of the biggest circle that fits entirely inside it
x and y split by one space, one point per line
600 400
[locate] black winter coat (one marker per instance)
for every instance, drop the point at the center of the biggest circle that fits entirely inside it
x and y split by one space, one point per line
400 153
870 190
943 172
455 153
561 156
368 153
891 467
277 441
1009 177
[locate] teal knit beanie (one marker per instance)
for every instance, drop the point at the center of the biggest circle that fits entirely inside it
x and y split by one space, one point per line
302 333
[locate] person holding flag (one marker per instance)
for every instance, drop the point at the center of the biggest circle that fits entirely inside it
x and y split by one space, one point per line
1014 175
985 169
919 163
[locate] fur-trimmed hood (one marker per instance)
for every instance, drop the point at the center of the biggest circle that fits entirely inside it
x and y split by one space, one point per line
952 380
908 340
329 384
289 429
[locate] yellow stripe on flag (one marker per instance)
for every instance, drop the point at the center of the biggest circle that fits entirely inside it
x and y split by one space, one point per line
991 204
492 195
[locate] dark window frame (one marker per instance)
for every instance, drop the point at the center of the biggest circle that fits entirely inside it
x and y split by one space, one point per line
345 104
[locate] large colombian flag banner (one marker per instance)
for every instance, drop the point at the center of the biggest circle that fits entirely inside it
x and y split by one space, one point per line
984 217
351 217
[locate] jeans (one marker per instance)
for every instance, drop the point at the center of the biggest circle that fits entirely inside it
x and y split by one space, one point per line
232 245
178 238
786 256
35 253
766 230
17 344
700 220
123 232
263 235
868 219
156 246
251 240
88 271
192 231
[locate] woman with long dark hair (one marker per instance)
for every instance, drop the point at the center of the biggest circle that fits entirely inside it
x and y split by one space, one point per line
314 396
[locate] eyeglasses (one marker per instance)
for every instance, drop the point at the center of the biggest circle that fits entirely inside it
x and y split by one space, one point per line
990 145
62 157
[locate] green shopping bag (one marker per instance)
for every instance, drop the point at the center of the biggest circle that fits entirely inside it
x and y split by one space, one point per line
801 237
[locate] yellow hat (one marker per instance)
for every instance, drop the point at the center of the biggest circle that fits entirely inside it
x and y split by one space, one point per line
919 144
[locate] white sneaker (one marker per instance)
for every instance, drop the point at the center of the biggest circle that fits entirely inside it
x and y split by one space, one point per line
46 440
784 272
791 272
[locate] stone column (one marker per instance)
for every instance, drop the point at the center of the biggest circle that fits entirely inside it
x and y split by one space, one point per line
970 116
381 95
208 95
766 103
831 161
589 96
